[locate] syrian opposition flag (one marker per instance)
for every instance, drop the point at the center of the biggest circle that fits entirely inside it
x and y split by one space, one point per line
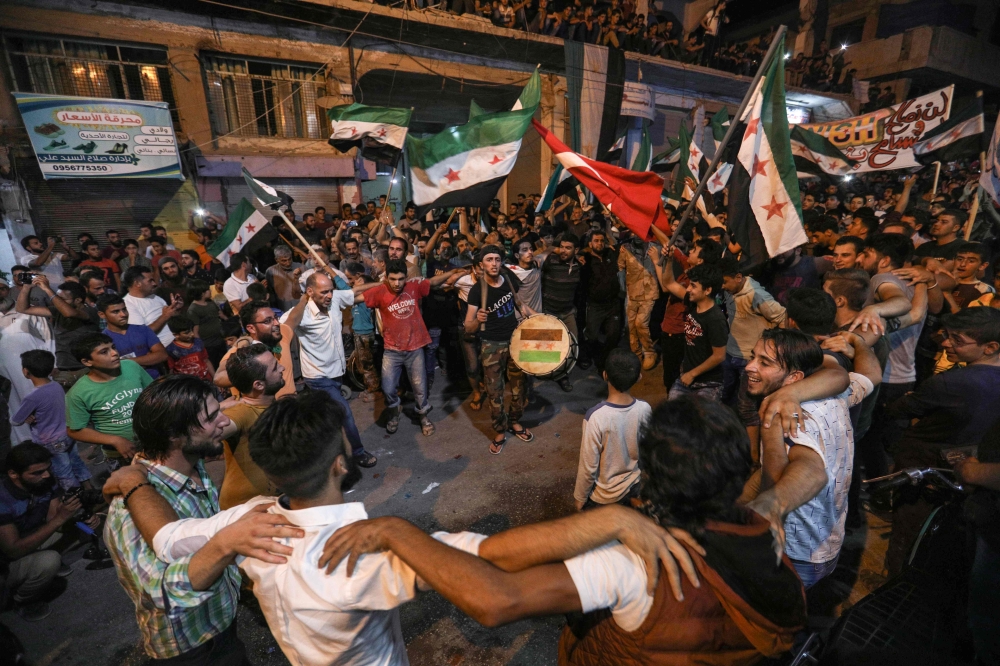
721 178
961 136
765 212
267 195
665 161
466 165
989 179
632 196
644 151
614 153
719 124
561 182
814 154
378 132
246 231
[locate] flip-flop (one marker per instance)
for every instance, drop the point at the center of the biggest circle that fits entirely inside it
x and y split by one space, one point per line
496 447
523 434
476 405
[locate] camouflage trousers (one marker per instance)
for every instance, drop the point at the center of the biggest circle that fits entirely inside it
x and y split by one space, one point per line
363 344
498 369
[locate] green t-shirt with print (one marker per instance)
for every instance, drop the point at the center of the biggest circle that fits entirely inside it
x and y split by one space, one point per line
107 406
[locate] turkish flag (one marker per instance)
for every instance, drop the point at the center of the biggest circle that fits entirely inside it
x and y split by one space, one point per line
632 196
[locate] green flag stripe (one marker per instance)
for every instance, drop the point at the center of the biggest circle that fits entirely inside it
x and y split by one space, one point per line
527 356
818 143
774 120
243 210
370 114
488 129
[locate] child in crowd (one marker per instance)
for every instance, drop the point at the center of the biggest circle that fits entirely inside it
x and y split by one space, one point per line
231 331
44 409
207 319
187 355
363 327
220 276
609 452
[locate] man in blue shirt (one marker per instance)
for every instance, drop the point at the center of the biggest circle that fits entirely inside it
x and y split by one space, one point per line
133 341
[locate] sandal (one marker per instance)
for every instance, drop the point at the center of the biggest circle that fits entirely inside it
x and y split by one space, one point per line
523 434
497 446
477 401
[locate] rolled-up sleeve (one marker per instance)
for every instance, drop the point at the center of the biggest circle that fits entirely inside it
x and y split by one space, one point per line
174 590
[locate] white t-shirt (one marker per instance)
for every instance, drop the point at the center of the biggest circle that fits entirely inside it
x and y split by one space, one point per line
235 289
530 292
146 311
52 269
318 618
612 577
322 347
464 284
815 531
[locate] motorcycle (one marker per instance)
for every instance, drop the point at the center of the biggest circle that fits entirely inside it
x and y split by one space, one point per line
917 617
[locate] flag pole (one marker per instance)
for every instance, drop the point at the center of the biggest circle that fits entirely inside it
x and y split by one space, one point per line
710 171
937 173
973 211
315 257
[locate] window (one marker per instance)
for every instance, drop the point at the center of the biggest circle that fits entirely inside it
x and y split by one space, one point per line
54 66
847 33
251 98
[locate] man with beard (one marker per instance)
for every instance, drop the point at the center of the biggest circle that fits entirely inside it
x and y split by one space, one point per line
18 333
114 250
191 267
604 305
256 374
172 282
31 514
99 405
262 326
317 320
283 278
185 610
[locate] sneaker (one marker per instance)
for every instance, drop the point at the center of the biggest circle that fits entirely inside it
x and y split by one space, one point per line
34 612
64 571
565 384
426 426
55 145
365 459
392 425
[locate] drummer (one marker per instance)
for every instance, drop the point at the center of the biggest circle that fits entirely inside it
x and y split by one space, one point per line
500 319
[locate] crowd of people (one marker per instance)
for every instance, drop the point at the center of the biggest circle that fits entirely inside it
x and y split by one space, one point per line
876 345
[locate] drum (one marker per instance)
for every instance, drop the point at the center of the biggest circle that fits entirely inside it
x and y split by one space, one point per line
542 346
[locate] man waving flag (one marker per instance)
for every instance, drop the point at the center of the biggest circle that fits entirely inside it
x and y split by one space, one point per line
632 196
466 165
765 212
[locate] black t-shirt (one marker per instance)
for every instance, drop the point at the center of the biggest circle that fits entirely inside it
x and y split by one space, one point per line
67 330
440 307
702 332
945 252
501 315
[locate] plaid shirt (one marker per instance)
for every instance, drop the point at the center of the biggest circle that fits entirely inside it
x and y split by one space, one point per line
173 618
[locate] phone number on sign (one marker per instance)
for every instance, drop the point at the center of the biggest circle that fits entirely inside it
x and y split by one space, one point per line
103 168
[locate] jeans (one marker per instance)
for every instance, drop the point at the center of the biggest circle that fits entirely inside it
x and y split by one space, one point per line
430 354
470 353
811 573
332 388
393 363
711 390
68 468
732 367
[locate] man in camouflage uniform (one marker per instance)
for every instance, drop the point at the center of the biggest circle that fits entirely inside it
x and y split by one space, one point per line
497 322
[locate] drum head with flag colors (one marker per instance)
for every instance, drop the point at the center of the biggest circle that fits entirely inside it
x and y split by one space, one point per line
540 345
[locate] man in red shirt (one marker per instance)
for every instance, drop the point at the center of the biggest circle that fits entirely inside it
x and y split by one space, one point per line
405 335
93 259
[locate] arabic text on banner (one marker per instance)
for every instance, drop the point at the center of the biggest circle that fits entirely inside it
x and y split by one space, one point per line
84 137
884 139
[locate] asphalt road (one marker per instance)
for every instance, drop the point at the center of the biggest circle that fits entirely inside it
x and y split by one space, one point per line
448 481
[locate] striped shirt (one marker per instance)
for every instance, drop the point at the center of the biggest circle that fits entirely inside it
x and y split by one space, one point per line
173 617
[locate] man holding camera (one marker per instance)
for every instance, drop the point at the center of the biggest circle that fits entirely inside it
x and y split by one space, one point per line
31 514
44 259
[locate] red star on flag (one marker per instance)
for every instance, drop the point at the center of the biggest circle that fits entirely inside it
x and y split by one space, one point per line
752 127
354 130
717 181
452 175
495 160
230 252
774 208
695 153
250 228
758 166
